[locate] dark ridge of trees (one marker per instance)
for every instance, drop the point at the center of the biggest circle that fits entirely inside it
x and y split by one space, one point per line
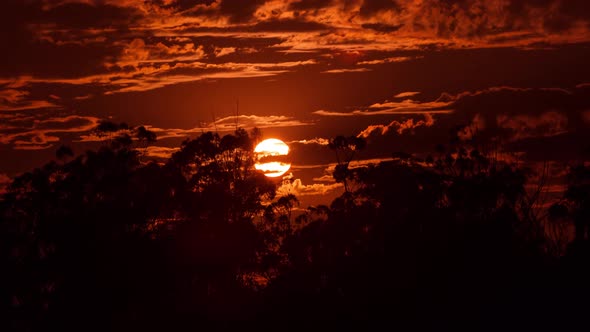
110 241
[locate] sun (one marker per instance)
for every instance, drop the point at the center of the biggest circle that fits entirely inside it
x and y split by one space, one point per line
268 149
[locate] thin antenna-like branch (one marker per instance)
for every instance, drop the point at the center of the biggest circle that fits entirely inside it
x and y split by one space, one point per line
237 113
214 121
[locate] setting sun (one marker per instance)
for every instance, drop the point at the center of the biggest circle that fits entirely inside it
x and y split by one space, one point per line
272 147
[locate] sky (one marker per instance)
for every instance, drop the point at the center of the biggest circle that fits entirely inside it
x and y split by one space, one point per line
407 75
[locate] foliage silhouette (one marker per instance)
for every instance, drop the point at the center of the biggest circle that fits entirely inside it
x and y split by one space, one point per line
346 149
108 240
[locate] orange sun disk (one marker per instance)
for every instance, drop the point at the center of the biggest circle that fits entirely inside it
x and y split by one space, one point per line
272 147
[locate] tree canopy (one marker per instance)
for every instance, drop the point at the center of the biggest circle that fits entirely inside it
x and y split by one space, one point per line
109 240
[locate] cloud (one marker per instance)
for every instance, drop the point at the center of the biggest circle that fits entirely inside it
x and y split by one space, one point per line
89 14
137 52
443 101
251 121
406 94
524 126
298 188
386 60
222 51
317 140
324 184
145 76
37 133
508 101
153 76
392 111
159 152
346 70
330 167
310 4
469 19
288 25
522 113
15 97
222 125
238 10
538 123
229 124
398 126
302 167
117 46
440 106
26 105
470 131
370 8
381 27
325 178
535 123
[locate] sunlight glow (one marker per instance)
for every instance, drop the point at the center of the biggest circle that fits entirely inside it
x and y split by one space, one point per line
270 148
273 169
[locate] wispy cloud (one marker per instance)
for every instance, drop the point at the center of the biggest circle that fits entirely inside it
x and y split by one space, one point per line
230 123
398 126
407 94
442 105
409 104
346 70
154 75
159 152
35 134
14 96
385 60
381 112
260 121
317 140
223 125
325 178
298 188
524 126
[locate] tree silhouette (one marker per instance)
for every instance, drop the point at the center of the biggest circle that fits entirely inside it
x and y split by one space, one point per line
414 239
107 240
86 237
345 148
575 207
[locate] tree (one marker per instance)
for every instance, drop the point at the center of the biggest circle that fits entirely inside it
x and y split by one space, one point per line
63 153
345 148
106 236
575 204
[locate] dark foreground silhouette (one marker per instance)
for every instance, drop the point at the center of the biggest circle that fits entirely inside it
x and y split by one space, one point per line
107 241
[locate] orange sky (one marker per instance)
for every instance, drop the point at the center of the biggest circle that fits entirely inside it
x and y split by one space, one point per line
400 73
